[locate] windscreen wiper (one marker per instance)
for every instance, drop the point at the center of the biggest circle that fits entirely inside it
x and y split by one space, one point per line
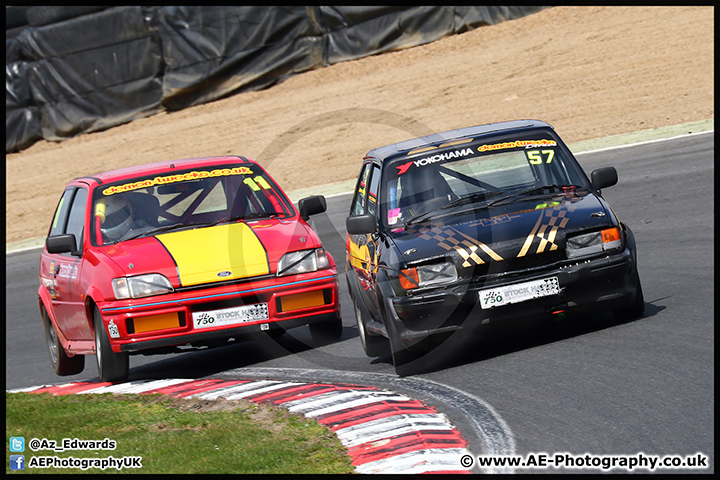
465 199
157 230
247 216
553 190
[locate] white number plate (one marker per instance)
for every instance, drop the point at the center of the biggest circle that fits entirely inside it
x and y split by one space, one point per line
494 297
230 316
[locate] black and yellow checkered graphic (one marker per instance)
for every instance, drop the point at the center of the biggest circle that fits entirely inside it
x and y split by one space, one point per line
466 246
549 222
546 228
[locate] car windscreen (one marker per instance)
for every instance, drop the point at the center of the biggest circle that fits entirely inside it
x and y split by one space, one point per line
197 197
470 171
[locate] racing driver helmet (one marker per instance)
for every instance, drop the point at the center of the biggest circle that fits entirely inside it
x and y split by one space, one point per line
118 217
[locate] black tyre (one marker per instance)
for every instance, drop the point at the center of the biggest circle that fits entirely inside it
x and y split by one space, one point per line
406 362
112 367
636 309
327 331
61 362
373 345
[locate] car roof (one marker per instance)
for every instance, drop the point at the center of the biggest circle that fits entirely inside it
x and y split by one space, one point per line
164 166
383 153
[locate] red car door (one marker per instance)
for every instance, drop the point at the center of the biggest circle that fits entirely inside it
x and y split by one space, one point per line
64 271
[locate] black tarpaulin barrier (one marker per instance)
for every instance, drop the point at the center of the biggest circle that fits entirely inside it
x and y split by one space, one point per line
22 118
356 32
93 72
107 68
210 52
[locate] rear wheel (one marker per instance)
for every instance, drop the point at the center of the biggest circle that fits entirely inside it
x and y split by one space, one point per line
61 362
373 345
112 367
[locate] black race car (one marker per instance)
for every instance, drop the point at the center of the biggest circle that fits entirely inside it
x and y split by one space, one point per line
458 231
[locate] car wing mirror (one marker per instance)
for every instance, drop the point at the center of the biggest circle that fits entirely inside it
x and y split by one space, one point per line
360 224
603 177
311 206
61 243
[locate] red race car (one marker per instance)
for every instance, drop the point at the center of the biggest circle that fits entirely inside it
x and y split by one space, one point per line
195 252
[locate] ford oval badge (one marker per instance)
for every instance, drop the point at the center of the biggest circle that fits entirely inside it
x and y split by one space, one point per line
224 274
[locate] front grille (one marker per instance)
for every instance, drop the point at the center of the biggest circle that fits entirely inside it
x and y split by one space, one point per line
239 282
508 267
513 270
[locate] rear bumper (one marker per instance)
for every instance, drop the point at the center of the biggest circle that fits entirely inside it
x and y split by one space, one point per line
167 320
594 287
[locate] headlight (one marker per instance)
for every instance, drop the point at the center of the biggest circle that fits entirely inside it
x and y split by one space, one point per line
141 286
303 261
593 243
425 275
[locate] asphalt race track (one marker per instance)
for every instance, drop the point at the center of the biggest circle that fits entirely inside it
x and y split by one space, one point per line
590 385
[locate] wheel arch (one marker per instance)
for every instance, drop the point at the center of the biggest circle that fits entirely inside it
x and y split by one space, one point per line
353 291
90 307
44 310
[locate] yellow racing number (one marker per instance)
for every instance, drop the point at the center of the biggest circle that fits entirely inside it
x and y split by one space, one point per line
253 183
535 156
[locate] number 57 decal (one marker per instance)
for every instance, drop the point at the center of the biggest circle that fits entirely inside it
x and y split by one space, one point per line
535 157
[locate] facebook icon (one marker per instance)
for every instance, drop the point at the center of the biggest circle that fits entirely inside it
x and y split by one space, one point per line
17 462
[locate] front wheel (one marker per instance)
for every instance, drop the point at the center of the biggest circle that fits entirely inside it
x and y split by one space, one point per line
636 309
373 345
62 363
406 361
112 367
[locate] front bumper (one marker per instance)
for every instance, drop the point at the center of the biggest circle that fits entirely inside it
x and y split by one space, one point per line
589 286
137 326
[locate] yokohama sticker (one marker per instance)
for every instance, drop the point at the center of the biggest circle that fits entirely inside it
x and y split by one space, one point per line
421 162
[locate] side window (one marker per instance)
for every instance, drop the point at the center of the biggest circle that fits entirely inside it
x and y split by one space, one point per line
372 204
61 214
76 220
358 204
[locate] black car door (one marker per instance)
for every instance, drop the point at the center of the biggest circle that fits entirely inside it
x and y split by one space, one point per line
362 248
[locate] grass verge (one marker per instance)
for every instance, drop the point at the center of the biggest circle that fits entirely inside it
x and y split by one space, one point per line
172 435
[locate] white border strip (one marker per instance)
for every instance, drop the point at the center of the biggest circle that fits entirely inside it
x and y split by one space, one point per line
420 461
225 391
389 428
636 144
258 391
137 386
